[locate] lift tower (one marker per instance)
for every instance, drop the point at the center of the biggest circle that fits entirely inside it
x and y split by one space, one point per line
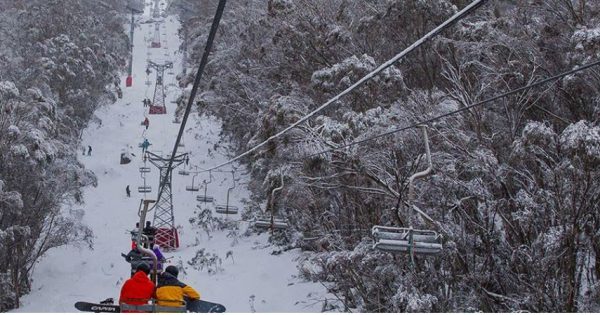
156 39
164 219
158 101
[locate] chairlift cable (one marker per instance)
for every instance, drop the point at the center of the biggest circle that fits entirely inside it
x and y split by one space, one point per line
480 103
456 17
203 63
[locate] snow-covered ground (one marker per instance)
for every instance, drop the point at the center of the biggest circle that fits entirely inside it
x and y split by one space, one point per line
251 280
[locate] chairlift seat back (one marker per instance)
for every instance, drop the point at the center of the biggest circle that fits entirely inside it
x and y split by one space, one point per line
183 172
278 224
203 198
393 233
226 209
192 188
422 248
264 222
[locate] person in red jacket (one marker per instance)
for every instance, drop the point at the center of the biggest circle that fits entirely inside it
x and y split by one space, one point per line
137 290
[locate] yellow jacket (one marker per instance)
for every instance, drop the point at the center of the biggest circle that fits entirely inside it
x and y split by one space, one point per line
171 292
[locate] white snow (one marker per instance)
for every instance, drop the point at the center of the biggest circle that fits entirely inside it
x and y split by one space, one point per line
251 280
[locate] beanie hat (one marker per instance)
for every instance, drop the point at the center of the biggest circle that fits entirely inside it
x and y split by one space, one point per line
143 267
172 270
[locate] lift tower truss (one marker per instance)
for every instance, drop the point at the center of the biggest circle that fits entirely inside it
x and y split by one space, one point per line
158 101
164 219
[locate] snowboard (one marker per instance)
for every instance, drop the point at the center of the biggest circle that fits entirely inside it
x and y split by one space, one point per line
198 306
97 308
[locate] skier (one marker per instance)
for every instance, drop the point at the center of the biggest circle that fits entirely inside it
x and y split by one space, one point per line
89 150
128 191
135 258
146 122
187 160
160 258
137 290
145 145
172 292
149 231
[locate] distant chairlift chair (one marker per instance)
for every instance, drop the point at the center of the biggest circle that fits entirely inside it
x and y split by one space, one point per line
183 172
144 168
226 208
144 188
206 198
192 187
413 241
272 222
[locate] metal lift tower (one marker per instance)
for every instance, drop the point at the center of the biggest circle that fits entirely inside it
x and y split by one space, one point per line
164 220
158 101
156 39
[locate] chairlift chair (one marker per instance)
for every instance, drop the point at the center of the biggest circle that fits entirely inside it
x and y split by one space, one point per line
183 172
206 198
226 208
410 240
144 188
144 169
192 187
271 221
264 222
392 239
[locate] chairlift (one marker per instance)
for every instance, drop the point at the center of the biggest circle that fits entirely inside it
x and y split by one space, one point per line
144 188
401 239
192 187
272 221
206 198
144 169
425 242
226 208
183 172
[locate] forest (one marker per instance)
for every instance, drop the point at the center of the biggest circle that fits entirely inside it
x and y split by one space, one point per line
59 61
514 190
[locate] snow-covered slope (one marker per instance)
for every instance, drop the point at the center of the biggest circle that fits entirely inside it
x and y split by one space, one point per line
251 279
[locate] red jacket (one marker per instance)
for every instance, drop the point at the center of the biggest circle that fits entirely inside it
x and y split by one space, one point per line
138 290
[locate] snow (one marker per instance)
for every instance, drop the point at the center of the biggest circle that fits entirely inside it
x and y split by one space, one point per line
249 279
581 136
8 89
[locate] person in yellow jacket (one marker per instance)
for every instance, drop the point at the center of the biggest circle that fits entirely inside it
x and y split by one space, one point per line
172 292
